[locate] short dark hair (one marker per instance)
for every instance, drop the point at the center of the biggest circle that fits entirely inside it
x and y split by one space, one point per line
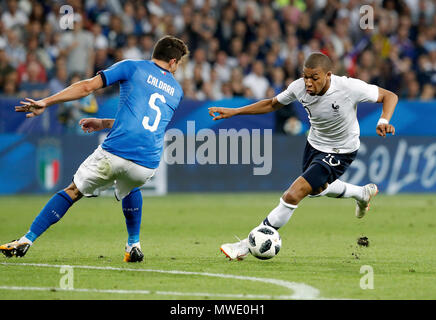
318 60
168 48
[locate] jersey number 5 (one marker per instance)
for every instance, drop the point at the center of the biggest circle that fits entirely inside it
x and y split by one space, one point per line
152 104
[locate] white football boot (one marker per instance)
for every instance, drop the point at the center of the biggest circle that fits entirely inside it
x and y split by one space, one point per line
133 253
362 206
236 251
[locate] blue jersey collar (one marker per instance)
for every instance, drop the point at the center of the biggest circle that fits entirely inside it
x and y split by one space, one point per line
160 67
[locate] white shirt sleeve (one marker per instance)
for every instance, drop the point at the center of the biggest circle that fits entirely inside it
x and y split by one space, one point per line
362 91
290 94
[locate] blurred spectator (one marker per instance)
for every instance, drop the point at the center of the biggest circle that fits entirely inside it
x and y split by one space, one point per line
171 7
5 67
31 86
215 86
244 62
256 81
13 16
69 113
10 87
15 49
278 80
99 13
100 40
224 30
102 60
287 121
236 49
222 67
199 60
23 69
37 13
184 19
40 54
78 46
197 78
131 50
128 17
59 81
412 92
188 89
116 36
236 88
428 92
54 16
289 49
155 8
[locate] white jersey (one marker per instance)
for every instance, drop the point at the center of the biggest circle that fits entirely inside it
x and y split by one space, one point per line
333 116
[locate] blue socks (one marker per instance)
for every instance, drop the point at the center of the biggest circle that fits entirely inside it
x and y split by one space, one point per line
59 204
53 211
132 209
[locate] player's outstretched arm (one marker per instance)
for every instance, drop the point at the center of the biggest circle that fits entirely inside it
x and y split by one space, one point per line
259 107
77 90
389 100
94 124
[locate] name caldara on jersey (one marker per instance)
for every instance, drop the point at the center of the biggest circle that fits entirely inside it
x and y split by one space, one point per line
160 84
333 116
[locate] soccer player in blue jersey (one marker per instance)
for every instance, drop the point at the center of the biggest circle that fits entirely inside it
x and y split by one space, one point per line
130 154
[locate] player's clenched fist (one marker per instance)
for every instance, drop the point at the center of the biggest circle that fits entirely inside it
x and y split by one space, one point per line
91 124
223 113
383 129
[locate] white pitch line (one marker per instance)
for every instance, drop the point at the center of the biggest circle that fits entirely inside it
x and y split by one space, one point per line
300 290
147 292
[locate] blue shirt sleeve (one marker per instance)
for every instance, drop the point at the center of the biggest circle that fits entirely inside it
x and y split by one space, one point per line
117 72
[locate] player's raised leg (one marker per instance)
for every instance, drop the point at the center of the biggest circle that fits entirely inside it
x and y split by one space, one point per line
362 194
52 212
132 209
277 218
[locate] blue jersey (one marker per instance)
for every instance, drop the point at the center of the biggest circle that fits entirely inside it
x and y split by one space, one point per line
149 95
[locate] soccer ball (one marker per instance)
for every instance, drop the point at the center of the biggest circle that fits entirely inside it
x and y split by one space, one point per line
264 242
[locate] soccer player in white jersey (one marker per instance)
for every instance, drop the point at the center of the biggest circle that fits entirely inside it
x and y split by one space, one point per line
131 152
332 144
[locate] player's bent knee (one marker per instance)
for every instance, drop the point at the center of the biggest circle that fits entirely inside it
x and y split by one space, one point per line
73 192
291 197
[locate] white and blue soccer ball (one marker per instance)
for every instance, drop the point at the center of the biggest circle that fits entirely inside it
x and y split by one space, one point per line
264 242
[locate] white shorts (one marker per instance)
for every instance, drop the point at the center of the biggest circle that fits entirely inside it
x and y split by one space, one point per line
102 170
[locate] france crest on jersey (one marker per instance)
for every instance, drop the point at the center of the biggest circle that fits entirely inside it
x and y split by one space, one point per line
149 95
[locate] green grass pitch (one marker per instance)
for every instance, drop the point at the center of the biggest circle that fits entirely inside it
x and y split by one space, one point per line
183 233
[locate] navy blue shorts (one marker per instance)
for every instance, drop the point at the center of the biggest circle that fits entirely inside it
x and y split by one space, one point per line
320 168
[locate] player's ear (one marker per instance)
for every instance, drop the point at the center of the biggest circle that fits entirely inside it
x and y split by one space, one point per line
172 62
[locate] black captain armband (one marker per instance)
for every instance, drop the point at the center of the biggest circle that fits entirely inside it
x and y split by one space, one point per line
103 78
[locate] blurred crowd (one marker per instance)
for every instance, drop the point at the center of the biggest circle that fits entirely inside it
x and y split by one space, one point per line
237 48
